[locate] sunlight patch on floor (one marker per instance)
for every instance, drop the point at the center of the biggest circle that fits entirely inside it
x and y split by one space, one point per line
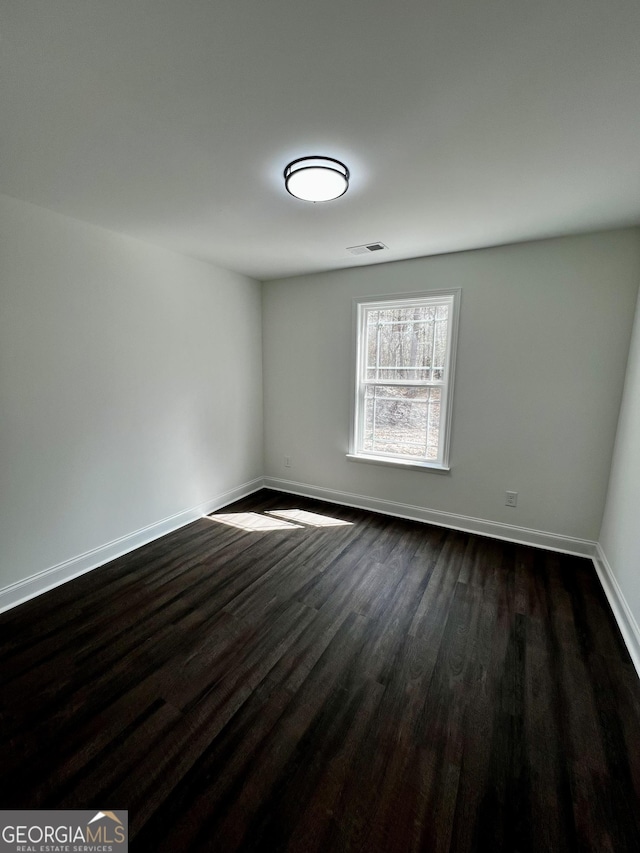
313 519
252 521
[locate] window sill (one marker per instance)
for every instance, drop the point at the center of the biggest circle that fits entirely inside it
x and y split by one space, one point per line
399 463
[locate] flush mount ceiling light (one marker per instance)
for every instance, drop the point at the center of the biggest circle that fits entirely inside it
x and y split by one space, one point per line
316 178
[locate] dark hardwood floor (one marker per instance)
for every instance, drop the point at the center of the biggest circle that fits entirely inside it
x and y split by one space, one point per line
378 685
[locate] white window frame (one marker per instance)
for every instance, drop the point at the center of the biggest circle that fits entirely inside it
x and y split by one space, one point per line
403 300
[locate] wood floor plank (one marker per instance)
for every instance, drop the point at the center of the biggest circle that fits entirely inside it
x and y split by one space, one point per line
352 682
204 791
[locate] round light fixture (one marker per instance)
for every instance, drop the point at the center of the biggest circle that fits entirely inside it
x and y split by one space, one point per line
316 178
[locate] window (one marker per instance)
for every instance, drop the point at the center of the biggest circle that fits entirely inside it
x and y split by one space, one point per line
405 351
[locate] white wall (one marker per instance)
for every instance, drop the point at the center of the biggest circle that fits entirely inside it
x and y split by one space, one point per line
544 335
130 386
620 535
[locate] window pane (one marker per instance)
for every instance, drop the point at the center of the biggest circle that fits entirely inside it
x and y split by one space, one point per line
402 420
406 343
372 345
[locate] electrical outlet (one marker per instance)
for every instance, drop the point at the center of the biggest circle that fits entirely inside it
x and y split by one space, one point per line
287 462
511 499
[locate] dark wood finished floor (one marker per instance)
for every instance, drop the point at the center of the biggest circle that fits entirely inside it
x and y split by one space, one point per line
380 685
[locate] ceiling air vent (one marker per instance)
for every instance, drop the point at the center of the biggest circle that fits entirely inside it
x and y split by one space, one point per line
367 249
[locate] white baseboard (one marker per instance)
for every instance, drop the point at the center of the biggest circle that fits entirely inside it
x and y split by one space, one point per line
621 610
468 524
23 590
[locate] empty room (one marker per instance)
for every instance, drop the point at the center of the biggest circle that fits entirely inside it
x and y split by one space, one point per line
319 425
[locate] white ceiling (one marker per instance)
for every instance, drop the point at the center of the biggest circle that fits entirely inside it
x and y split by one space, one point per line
465 123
